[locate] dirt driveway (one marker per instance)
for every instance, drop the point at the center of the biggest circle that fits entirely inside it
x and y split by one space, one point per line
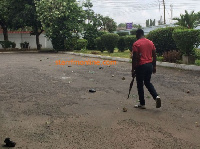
44 106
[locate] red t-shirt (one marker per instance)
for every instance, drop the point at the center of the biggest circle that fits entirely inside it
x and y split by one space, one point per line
144 47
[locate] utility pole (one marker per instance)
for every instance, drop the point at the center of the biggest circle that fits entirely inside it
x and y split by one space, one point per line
164 11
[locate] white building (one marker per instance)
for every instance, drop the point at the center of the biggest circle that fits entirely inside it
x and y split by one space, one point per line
19 37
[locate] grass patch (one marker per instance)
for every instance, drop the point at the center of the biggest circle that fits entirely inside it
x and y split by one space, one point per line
125 54
160 58
197 62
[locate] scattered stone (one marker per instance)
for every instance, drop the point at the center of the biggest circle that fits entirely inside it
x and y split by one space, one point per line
92 90
112 75
188 91
124 109
66 78
9 143
48 124
72 71
92 72
196 123
123 78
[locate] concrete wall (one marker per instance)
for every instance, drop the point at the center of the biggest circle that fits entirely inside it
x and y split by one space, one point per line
22 37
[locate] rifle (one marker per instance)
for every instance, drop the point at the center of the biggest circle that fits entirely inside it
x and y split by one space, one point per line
131 85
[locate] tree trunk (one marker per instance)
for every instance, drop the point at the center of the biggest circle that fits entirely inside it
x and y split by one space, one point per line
38 41
5 33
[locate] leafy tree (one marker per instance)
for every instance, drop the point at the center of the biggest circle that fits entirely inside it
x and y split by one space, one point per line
137 26
122 25
187 20
60 19
6 15
109 24
89 12
93 23
27 17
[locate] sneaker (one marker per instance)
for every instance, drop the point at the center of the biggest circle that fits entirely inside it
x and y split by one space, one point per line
140 106
158 102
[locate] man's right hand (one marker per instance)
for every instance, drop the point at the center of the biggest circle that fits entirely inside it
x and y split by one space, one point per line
133 73
154 70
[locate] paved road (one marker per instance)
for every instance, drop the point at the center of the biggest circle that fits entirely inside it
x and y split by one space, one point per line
44 106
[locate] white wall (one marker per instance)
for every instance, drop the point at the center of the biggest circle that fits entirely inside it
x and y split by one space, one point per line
22 37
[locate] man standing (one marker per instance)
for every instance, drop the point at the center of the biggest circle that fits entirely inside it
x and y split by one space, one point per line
143 66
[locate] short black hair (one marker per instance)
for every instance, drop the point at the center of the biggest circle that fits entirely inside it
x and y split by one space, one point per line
140 32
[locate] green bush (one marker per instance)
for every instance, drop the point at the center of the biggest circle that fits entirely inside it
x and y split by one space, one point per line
162 39
99 44
8 44
186 40
70 43
123 33
129 40
197 53
121 44
81 44
100 33
110 41
133 32
58 43
90 34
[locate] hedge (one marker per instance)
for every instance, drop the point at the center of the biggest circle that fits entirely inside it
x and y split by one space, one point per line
81 44
110 41
99 44
129 40
8 44
133 32
186 40
121 44
162 39
123 33
58 43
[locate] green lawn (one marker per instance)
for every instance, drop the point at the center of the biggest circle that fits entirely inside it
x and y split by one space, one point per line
125 54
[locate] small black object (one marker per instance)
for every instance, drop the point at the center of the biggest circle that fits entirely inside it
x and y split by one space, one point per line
47 58
9 143
40 60
100 67
69 66
131 85
92 90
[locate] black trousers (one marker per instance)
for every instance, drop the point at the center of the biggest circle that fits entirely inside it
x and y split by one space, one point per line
143 77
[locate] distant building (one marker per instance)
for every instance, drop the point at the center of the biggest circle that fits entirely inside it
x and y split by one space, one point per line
22 36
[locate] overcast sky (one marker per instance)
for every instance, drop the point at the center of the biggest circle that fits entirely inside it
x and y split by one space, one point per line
138 11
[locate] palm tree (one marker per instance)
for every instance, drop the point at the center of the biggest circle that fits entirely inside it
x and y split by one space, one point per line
187 20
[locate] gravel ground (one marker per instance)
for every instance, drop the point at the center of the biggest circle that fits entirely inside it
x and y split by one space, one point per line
44 106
